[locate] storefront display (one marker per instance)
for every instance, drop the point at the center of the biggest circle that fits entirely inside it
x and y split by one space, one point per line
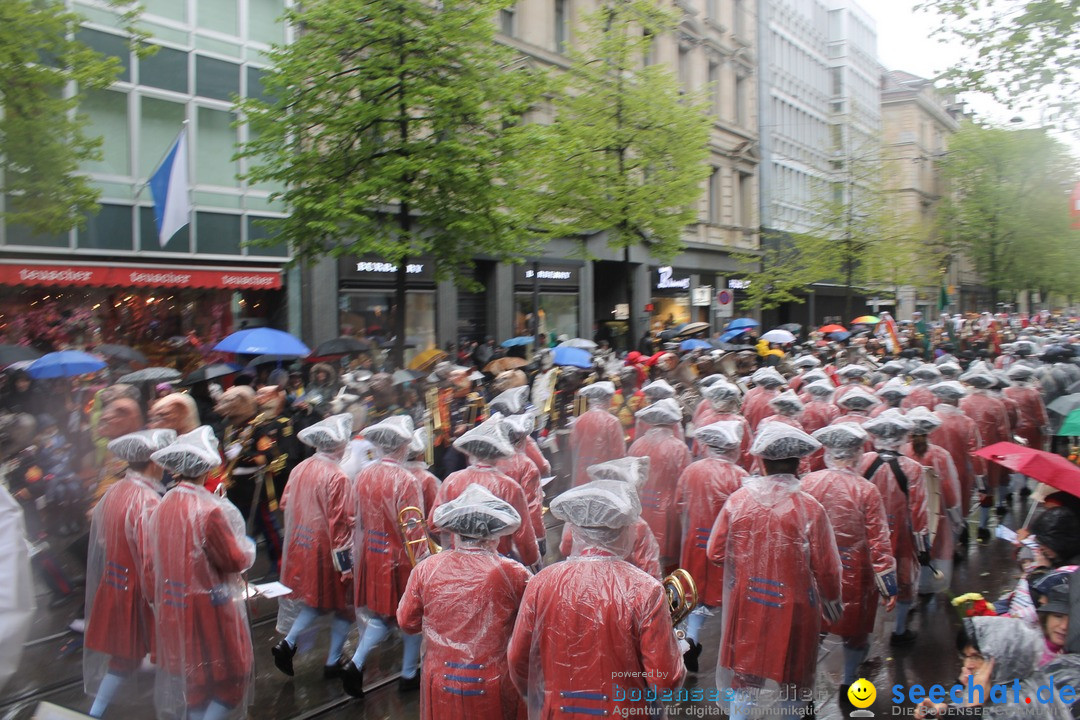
367 305
671 298
552 310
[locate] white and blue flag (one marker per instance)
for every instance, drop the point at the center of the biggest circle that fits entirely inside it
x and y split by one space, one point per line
169 186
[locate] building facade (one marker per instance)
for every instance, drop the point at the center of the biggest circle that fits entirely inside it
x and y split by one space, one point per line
112 281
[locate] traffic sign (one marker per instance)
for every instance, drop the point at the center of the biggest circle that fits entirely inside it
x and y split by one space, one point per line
725 303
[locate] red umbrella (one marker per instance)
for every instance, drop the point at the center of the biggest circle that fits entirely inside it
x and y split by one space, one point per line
832 328
1045 467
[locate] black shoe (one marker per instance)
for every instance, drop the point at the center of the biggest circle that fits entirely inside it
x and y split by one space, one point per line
842 698
905 638
1002 510
283 654
690 657
984 535
1025 492
409 684
329 672
352 679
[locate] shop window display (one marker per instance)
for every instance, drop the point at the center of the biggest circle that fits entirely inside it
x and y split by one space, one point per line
669 312
557 314
371 314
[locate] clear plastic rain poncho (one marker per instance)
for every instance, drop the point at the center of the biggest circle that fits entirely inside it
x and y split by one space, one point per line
923 421
1032 419
668 456
806 361
768 378
17 598
709 380
465 600
820 389
391 434
949 390
851 373
787 404
949 370
723 399
781 579
597 435
920 394
119 622
524 471
329 435
584 622
889 429
991 416
658 390
857 400
723 396
893 391
842 441
486 442
815 376
198 550
510 402
926 374
944 512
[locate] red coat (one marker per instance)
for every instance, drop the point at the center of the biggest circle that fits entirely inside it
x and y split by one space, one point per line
119 623
775 547
920 396
938 459
523 541
817 414
857 514
318 503
959 436
1031 414
429 484
844 390
668 457
746 460
585 626
381 566
197 550
537 456
644 555
906 516
524 471
992 419
703 489
755 405
465 601
597 436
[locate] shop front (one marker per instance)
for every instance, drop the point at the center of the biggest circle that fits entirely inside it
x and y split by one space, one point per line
367 304
546 300
670 303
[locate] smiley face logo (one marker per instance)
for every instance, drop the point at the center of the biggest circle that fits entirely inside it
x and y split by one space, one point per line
862 693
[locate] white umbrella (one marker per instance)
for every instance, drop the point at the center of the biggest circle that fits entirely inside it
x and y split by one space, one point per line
778 336
579 343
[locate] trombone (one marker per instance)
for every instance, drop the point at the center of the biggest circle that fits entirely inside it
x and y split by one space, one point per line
409 519
682 596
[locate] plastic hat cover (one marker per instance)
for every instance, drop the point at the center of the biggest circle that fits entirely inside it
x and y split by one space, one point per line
391 433
724 435
767 377
1020 372
814 376
889 425
892 368
924 421
807 361
710 380
477 513
487 441
857 399
820 388
842 436
949 370
779 441
948 389
518 426
192 455
926 372
662 412
979 380
632 470
598 504
853 371
893 389
137 447
787 402
658 389
330 434
419 441
598 390
510 402
720 390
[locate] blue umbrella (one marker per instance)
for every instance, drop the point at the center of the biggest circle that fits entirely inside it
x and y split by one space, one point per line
695 344
839 336
742 323
575 357
733 333
65 363
263 341
516 341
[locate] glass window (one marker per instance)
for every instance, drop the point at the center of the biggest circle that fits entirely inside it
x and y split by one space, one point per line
557 313
148 235
714 196
560 26
255 84
264 21
257 230
506 21
109 229
109 45
219 15
218 233
173 9
214 149
22 235
165 69
372 313
216 79
161 123
108 113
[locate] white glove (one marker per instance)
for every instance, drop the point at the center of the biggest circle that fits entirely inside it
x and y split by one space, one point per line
232 451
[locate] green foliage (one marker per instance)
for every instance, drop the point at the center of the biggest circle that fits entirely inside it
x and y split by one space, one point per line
628 150
1009 210
42 138
396 131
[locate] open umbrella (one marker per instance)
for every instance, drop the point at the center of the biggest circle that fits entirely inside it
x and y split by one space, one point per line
16 353
517 341
695 344
427 359
122 353
795 328
580 343
1071 426
743 323
270 360
732 333
1064 404
779 336
1043 466
839 335
262 341
572 356
210 372
866 320
66 363
832 328
151 374
693 329
342 346
503 364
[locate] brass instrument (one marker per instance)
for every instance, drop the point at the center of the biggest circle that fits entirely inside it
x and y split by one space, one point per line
431 399
472 413
409 519
549 403
682 595
581 404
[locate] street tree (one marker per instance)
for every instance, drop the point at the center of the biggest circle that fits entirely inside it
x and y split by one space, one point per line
396 129
627 150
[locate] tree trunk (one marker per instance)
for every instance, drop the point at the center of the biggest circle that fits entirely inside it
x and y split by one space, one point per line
400 295
631 330
849 274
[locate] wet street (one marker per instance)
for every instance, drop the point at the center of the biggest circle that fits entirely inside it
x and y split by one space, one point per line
51 668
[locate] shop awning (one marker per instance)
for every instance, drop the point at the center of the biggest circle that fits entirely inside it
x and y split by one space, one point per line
90 275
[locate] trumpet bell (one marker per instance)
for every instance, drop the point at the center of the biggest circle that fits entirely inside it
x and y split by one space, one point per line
412 522
682 595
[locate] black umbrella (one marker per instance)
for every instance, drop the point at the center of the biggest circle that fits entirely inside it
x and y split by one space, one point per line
341 346
391 344
151 374
271 360
692 329
122 353
209 372
793 328
16 353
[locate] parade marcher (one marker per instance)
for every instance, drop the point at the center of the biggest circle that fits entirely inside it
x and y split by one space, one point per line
118 417
959 435
197 551
318 503
855 405
253 464
813 376
513 401
722 399
1032 419
119 624
271 401
704 408
755 404
466 410
176 411
668 457
703 488
803 365
465 600
900 482
594 627
597 435
949 370
782 574
484 446
524 471
943 482
381 563
851 376
892 395
17 601
653 393
628 399
857 514
417 465
644 553
818 408
991 417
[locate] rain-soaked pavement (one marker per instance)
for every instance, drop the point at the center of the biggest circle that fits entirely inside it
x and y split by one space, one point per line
51 667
